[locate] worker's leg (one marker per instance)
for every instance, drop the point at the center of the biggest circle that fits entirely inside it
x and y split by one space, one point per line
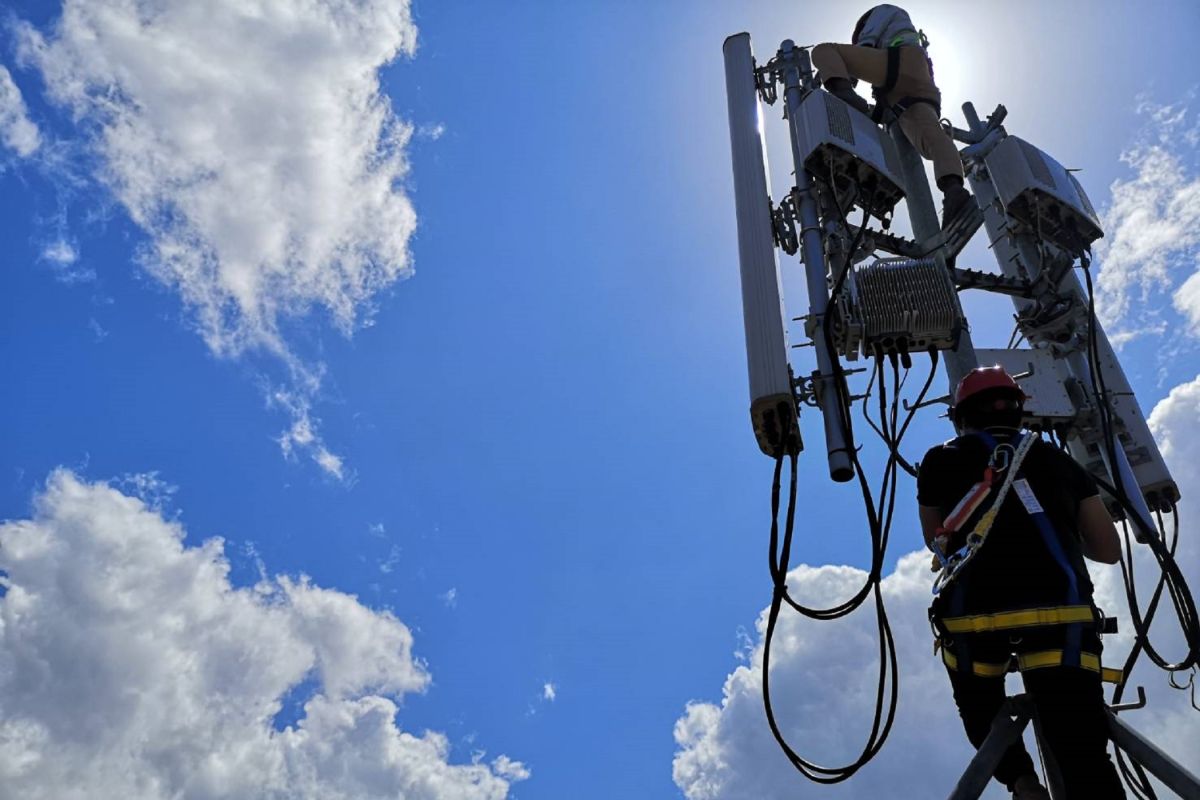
921 126
1070 708
838 64
849 61
979 700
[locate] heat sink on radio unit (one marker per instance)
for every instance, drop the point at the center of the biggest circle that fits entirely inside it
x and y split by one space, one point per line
899 304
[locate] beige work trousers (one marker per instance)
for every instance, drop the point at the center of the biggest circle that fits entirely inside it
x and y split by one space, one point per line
920 122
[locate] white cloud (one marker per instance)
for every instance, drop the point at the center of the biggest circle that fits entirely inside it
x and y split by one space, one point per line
150 488
62 256
450 597
822 686
264 162
1187 302
252 144
17 131
432 131
303 436
823 674
99 333
1152 228
388 565
549 692
60 251
1173 423
513 770
130 667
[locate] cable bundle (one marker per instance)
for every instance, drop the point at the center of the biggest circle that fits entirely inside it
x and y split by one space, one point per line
879 519
1170 578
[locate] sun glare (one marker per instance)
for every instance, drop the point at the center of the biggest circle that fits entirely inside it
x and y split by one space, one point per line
956 68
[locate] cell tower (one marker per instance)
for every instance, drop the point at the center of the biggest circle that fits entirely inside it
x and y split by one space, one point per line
877 297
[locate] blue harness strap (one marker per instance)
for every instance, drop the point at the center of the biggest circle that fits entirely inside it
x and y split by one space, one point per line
958 604
1074 632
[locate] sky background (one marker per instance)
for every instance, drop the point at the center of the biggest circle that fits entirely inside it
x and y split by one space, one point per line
438 307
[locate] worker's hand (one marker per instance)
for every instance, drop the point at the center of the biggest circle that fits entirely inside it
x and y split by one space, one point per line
939 543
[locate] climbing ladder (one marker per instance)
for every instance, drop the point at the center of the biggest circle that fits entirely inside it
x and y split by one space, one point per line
1018 712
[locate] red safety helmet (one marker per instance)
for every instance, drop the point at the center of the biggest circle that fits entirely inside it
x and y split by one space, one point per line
983 379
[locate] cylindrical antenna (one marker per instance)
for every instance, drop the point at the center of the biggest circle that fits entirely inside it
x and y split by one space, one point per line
772 402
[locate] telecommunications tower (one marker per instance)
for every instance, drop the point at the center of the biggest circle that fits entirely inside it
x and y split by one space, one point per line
879 299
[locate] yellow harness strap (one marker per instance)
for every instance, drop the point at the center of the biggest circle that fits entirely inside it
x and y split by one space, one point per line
1035 660
1026 618
983 669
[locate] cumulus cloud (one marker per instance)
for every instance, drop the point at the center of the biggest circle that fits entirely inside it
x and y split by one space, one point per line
131 667
251 142
822 686
823 674
1169 421
549 692
1187 302
1151 247
17 131
264 163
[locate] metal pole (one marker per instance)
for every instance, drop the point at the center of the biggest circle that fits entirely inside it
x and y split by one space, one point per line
795 69
1159 764
922 213
1006 729
1054 779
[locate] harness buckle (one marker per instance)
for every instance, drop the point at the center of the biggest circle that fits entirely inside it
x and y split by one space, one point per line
1002 457
1104 624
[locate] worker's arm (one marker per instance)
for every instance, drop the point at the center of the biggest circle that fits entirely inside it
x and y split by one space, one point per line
929 493
931 520
1096 531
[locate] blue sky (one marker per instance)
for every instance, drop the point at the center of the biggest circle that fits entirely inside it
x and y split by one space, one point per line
547 470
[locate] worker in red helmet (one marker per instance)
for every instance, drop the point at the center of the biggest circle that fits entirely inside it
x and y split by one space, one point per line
888 52
1011 519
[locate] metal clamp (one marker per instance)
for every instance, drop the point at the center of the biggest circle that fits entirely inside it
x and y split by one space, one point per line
765 79
783 225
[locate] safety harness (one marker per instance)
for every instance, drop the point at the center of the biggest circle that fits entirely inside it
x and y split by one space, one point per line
1007 458
892 75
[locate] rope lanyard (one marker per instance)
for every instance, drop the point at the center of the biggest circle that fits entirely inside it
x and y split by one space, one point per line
952 565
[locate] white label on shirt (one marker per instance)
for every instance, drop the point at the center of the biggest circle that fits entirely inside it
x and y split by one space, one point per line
1028 498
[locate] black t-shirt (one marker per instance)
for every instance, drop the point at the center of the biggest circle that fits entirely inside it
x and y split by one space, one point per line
1014 568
